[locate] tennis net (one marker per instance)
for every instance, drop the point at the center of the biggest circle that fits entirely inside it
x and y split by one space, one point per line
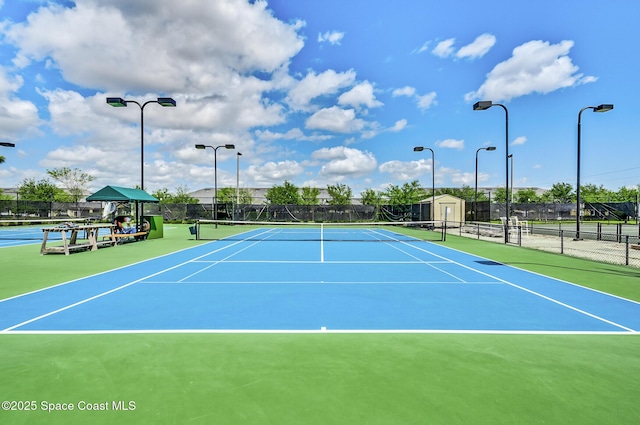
31 229
330 232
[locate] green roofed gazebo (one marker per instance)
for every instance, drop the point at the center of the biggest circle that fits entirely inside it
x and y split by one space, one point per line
122 194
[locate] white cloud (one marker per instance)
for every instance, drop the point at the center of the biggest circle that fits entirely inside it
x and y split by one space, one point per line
331 37
403 171
345 162
480 46
335 119
423 101
521 140
444 48
426 101
360 95
157 46
293 134
460 178
17 116
271 173
314 85
534 67
451 144
404 91
398 126
422 48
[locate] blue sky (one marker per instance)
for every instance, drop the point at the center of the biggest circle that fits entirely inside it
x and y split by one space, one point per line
319 92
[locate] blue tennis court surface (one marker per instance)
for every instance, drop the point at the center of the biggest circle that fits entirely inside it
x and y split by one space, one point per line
311 286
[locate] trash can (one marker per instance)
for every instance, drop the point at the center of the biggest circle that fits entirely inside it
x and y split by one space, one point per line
156 226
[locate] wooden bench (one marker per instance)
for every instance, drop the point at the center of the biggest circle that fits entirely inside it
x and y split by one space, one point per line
116 238
635 247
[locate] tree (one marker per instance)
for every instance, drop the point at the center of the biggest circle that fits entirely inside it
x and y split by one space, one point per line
561 193
499 195
526 196
162 195
625 194
180 197
371 197
340 194
43 190
1 159
407 194
466 192
286 194
310 195
226 195
75 181
592 193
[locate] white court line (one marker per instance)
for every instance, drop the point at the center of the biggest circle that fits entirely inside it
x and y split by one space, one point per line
106 292
315 331
12 331
322 243
318 282
213 263
318 262
429 264
529 290
101 273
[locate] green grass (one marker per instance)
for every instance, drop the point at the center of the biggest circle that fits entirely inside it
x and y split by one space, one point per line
319 378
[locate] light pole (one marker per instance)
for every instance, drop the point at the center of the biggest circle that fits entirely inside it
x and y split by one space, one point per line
483 105
475 199
511 156
238 155
8 145
119 102
600 108
215 173
433 179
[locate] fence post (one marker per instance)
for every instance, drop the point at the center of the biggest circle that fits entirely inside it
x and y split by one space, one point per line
619 232
519 235
626 250
561 241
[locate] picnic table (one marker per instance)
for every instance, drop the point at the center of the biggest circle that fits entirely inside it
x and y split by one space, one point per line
69 234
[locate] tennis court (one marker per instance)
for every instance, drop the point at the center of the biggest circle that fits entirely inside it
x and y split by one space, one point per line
29 231
273 279
175 330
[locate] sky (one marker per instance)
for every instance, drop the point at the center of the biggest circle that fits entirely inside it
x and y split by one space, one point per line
320 92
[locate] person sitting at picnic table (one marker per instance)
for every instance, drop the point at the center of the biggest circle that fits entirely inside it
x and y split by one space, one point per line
123 225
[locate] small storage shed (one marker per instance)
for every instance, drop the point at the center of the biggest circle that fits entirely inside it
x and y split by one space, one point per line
447 207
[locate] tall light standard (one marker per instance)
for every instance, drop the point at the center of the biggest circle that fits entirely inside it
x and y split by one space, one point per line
238 155
433 179
511 156
475 199
119 102
483 105
215 173
600 108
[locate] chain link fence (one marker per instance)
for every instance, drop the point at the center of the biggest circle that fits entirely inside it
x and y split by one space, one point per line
553 230
614 243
